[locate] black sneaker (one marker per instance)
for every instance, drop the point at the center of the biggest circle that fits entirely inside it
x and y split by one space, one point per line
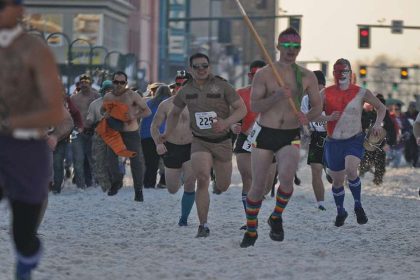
248 240
339 220
297 181
115 188
138 196
322 208
182 222
244 227
203 232
360 215
276 232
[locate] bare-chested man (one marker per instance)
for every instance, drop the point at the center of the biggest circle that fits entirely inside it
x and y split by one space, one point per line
344 144
277 131
213 106
137 108
176 154
81 140
30 102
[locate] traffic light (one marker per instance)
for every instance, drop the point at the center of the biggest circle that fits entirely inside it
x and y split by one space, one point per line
362 71
364 37
404 73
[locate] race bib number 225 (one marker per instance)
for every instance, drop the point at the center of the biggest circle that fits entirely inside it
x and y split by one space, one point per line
204 120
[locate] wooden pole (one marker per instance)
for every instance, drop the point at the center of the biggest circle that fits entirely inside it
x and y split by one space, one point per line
265 53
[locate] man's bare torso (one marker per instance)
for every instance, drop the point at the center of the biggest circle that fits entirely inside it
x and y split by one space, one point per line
182 133
281 114
82 101
134 109
19 92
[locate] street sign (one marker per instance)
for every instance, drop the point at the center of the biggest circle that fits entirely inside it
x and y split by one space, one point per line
397 26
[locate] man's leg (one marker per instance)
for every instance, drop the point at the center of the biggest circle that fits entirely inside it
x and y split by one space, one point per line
355 186
318 184
286 170
201 164
243 161
58 165
78 161
115 174
151 162
260 162
188 197
28 246
100 162
132 141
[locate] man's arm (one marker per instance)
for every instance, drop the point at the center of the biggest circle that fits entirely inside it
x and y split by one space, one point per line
416 129
144 109
75 114
238 112
379 107
171 122
259 101
157 121
45 72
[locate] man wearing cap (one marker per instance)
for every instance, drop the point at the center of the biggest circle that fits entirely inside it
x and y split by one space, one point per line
343 148
30 102
94 116
214 106
318 132
81 142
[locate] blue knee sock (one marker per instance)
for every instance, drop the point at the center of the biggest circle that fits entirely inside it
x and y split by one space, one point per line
244 200
25 265
356 189
187 203
338 194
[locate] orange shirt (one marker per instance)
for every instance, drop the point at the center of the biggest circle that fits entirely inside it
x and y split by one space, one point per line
249 119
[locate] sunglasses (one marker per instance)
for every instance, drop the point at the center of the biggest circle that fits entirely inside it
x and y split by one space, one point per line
290 45
200 66
115 82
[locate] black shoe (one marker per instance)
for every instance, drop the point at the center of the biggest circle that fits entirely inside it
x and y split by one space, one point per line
215 189
297 180
339 220
360 215
115 188
68 172
138 196
276 225
244 227
329 179
203 232
248 240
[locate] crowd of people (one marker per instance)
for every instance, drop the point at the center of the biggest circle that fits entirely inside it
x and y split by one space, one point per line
185 132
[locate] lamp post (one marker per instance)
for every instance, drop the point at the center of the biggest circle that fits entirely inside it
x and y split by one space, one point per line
67 39
107 56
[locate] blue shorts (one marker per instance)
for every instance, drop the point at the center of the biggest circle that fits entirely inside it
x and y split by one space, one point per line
336 150
25 169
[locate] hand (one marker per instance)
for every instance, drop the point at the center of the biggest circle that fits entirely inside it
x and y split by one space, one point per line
161 149
162 138
236 128
219 125
418 141
334 116
386 148
79 129
302 118
376 130
52 142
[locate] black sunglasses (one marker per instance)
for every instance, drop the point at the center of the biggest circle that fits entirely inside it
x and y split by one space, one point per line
115 82
200 66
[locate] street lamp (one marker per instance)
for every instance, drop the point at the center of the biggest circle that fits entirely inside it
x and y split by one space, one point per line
107 56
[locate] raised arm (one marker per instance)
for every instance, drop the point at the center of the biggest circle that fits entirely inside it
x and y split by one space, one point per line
144 109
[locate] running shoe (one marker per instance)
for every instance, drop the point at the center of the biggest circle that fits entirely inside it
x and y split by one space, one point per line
276 225
360 215
339 220
203 232
248 240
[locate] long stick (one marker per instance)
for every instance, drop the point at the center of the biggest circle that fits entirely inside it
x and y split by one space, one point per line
265 53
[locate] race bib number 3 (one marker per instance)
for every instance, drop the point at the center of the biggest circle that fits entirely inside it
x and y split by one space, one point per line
252 137
204 120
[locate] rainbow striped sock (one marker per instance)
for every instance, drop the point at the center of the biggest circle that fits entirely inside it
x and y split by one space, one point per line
282 198
252 209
